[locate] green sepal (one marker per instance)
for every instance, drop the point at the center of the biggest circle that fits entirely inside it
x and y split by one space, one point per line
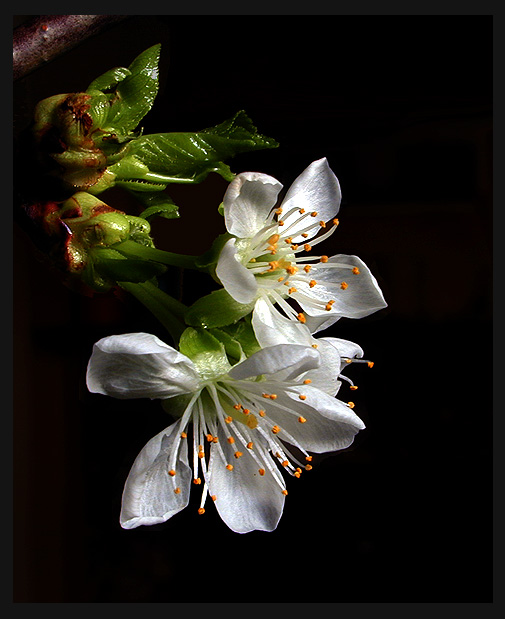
233 348
206 352
217 309
243 333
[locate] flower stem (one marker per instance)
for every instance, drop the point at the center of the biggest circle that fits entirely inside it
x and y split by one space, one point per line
165 308
132 249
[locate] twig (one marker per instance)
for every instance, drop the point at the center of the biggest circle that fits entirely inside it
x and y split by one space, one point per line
43 38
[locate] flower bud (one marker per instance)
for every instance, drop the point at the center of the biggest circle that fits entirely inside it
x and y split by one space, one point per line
80 229
73 142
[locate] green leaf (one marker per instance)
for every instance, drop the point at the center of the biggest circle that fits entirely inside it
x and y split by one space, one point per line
109 80
190 157
218 309
131 92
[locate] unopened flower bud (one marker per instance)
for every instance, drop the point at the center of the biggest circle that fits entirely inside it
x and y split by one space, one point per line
81 228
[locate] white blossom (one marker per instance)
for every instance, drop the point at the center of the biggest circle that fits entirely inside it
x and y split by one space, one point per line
262 258
250 422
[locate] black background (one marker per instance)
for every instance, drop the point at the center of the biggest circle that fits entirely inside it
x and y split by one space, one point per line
402 108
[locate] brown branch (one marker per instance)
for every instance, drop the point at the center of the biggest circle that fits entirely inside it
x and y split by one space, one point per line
43 38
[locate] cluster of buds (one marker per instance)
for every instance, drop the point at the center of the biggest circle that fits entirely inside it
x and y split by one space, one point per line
83 232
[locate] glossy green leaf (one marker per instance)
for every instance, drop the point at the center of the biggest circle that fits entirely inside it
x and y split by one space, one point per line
131 91
189 157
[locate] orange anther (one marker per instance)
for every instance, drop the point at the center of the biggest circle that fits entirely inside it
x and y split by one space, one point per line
294 247
237 407
285 492
209 438
261 471
228 419
197 481
312 283
322 224
370 364
344 285
308 458
308 467
201 510
313 214
213 497
250 445
184 435
171 472
350 404
355 271
231 440
302 419
201 454
285 463
307 247
291 270
215 440
353 387
246 411
315 345
307 268
324 258
301 317
280 222
177 491
291 290
301 211
302 397
336 222
261 413
307 381
278 212
229 467
276 429
237 454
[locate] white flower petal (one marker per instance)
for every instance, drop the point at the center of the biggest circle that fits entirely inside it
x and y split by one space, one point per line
316 189
245 499
330 425
248 201
290 359
139 365
238 281
271 328
361 297
346 349
151 495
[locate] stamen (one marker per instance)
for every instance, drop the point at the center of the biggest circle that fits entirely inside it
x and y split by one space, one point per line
171 472
323 259
229 467
261 471
302 397
344 285
301 317
370 364
302 419
355 271
201 510
177 490
351 404
276 429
